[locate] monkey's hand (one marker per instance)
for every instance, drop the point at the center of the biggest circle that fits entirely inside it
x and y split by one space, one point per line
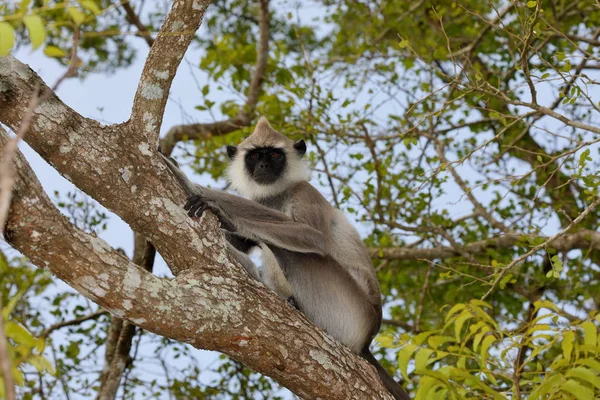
197 204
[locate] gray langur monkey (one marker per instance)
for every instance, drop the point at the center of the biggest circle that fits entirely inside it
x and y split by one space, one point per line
312 255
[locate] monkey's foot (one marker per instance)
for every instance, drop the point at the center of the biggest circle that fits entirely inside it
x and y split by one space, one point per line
292 301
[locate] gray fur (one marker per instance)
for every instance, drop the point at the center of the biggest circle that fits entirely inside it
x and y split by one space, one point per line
310 250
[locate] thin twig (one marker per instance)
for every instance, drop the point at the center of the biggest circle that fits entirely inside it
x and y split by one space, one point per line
534 250
134 19
72 322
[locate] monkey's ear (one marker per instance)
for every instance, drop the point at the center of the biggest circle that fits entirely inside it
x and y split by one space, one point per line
300 147
231 151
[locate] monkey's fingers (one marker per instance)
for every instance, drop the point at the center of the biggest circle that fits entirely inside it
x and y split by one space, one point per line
195 209
191 201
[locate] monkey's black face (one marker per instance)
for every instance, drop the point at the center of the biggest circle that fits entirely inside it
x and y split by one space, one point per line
265 164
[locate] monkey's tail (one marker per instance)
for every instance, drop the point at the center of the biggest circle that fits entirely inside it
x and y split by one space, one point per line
390 384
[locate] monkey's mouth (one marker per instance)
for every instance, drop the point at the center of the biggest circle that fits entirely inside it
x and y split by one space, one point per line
264 178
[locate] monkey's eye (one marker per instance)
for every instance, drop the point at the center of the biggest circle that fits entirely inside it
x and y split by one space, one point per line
254 156
275 155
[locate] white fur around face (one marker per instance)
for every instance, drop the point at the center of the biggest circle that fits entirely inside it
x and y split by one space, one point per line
295 171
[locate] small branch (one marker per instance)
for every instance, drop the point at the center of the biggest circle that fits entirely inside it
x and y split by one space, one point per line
5 370
73 322
133 18
479 208
401 324
583 239
422 299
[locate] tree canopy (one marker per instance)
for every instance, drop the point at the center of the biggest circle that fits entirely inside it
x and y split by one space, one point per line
460 136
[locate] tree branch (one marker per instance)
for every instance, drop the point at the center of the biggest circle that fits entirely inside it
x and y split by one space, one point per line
133 18
246 112
73 322
121 332
583 239
128 177
214 306
166 53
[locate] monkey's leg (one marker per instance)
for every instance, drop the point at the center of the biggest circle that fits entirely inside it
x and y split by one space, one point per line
246 262
273 277
242 244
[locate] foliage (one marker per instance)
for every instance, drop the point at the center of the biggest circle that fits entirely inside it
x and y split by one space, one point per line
24 349
471 356
436 125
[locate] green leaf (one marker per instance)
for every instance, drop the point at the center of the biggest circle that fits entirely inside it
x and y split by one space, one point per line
567 344
481 303
386 341
91 6
35 27
76 15
459 323
404 356
53 51
7 38
485 346
8 309
422 358
531 4
578 391
588 362
425 386
586 375
24 6
41 364
589 333
546 75
549 384
19 334
546 304
403 43
437 341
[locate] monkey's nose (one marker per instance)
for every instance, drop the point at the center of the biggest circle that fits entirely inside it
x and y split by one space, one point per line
263 165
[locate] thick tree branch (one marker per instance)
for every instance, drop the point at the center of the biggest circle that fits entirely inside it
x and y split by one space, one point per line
111 165
583 239
245 113
213 306
121 332
166 53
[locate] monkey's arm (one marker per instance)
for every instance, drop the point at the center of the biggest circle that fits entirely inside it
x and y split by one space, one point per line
249 219
257 222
